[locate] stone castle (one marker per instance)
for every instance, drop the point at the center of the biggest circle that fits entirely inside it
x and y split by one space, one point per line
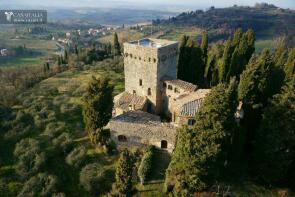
153 90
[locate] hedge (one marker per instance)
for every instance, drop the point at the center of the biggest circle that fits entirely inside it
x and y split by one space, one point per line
145 166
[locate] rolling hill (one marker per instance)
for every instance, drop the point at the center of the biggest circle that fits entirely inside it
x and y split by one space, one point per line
265 19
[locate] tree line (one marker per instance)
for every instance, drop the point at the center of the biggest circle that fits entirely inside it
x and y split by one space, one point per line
206 67
245 127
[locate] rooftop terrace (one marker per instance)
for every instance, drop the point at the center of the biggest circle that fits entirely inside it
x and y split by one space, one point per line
153 43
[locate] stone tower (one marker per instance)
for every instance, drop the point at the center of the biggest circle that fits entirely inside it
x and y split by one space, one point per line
147 62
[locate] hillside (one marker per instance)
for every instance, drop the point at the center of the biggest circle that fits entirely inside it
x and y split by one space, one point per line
109 16
266 20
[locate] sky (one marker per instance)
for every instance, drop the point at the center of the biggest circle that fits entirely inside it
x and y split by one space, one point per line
151 4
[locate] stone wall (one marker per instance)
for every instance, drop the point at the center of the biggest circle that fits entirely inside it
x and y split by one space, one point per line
145 67
141 135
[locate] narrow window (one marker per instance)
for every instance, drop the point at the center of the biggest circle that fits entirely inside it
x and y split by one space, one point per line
134 92
155 60
164 144
122 138
149 92
140 82
191 122
170 87
164 85
176 90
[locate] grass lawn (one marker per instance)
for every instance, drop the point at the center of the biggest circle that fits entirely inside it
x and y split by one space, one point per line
24 61
124 35
155 185
261 44
175 33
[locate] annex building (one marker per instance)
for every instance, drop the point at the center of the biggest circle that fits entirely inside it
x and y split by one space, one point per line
153 90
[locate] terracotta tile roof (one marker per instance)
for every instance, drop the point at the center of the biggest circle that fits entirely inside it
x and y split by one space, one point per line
191 108
137 117
182 85
189 105
125 99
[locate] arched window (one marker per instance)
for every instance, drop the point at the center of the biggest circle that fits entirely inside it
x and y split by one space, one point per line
149 92
122 138
164 144
191 122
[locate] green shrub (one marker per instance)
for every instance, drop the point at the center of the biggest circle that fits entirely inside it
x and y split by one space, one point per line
145 166
110 147
63 142
124 171
18 131
30 158
9 189
22 125
40 185
44 117
69 108
92 178
55 128
59 100
77 157
80 90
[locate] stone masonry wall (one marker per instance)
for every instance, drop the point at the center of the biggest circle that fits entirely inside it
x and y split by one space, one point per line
140 63
150 65
141 135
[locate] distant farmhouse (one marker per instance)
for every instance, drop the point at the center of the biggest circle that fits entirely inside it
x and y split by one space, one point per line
153 90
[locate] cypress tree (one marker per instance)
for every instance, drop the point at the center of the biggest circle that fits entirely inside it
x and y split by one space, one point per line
183 59
237 37
225 63
66 57
280 55
59 60
76 50
278 74
255 82
97 111
242 53
124 170
290 65
204 47
255 88
194 69
116 45
202 154
211 70
250 37
274 151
